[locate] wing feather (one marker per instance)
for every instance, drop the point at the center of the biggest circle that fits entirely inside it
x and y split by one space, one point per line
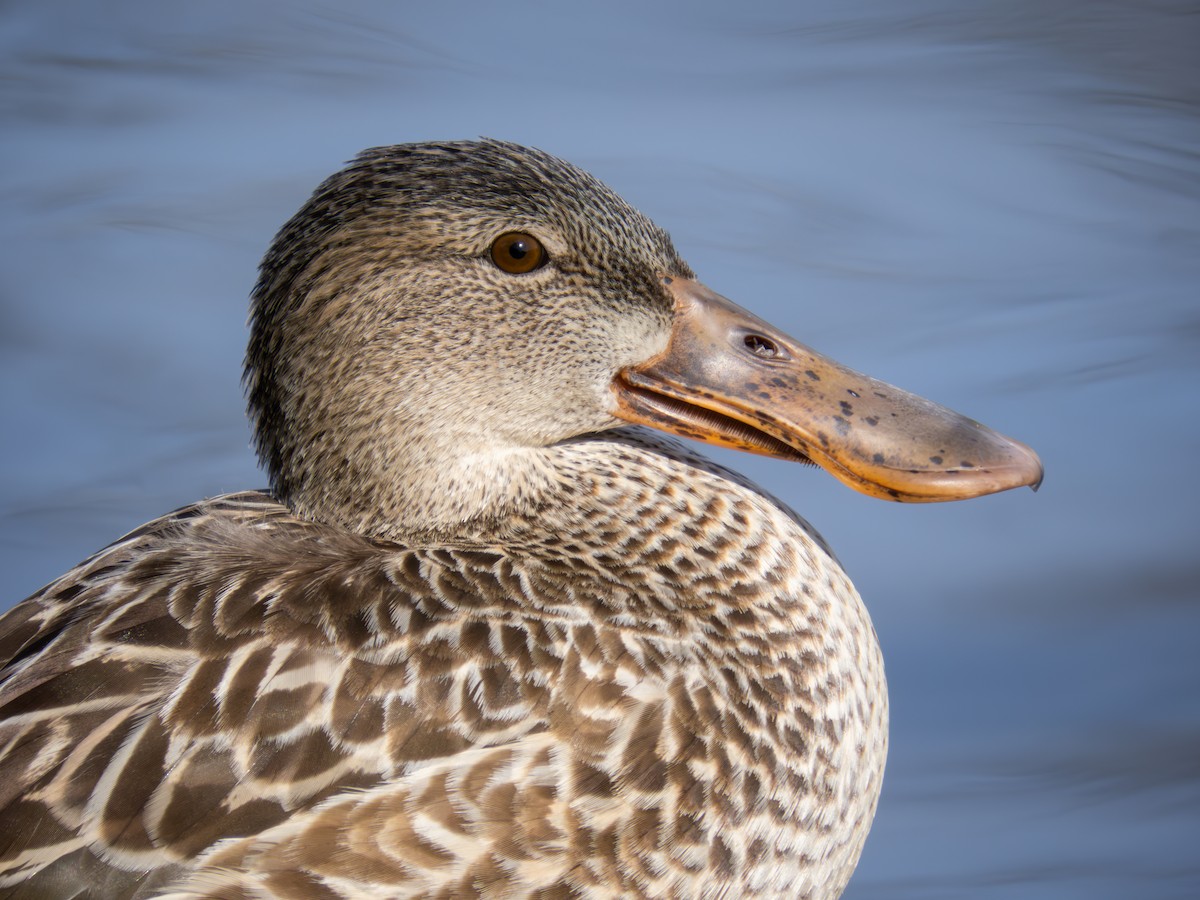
228 670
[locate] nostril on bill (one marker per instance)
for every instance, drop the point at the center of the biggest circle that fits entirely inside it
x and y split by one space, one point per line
761 346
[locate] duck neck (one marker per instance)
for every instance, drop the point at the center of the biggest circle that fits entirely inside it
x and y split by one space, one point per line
435 491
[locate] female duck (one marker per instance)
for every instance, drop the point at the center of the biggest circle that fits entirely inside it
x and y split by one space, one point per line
478 639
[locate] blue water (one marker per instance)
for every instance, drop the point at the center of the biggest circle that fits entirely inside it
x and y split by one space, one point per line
995 204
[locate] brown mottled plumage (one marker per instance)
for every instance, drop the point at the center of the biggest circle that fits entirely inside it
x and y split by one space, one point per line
475 642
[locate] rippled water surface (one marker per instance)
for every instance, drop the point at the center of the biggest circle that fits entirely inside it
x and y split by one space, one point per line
995 204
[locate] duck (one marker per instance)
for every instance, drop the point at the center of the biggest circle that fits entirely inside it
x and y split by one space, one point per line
493 630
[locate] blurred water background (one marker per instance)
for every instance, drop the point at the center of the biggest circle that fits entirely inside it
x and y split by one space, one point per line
995 204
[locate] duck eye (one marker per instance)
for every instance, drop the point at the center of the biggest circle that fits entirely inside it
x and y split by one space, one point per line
517 252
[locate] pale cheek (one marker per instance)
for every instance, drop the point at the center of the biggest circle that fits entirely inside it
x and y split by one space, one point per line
636 340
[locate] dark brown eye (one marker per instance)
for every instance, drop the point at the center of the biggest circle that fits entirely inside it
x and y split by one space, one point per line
517 252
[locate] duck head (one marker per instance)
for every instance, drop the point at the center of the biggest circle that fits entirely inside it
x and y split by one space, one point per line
438 317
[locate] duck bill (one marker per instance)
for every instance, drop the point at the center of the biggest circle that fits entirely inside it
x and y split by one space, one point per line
729 378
